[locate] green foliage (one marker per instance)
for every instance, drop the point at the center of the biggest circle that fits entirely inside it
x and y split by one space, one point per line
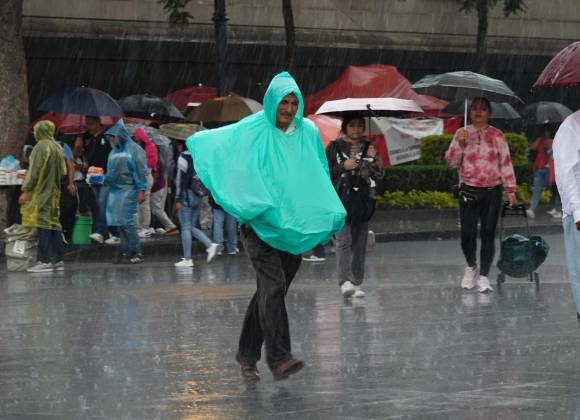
433 148
518 144
417 199
175 11
509 6
432 177
524 194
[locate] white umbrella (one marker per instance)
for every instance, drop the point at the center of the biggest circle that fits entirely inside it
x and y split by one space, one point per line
372 106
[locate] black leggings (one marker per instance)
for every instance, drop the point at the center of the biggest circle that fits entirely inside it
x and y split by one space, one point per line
486 209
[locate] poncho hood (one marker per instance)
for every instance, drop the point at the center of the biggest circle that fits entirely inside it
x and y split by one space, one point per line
276 182
281 85
44 130
120 131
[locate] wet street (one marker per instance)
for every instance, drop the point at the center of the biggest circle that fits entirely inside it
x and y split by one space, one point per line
151 342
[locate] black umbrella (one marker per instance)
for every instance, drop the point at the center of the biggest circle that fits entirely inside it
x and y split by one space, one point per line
148 106
499 110
83 101
464 85
541 113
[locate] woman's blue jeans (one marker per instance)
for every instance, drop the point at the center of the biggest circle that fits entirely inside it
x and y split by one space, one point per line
129 240
540 181
188 218
222 219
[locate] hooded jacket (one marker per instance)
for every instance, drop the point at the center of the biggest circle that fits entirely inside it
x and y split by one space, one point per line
42 182
126 176
274 181
150 148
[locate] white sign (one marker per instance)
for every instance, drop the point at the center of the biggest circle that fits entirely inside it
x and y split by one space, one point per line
402 136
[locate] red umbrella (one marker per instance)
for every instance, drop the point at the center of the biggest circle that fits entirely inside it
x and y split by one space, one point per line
563 70
329 127
180 98
76 124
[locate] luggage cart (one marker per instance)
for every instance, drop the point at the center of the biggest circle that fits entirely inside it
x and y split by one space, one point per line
520 256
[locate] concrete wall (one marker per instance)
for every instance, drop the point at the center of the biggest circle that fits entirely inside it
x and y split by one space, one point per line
403 24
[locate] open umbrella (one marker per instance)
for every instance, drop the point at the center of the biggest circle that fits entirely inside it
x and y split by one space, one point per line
154 134
224 109
149 106
563 69
81 100
464 85
371 106
499 110
179 131
543 112
197 95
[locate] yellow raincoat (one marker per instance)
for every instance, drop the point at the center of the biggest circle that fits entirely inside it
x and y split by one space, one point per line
42 182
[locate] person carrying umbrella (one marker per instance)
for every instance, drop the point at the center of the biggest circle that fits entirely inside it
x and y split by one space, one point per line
126 183
40 198
270 172
353 168
481 155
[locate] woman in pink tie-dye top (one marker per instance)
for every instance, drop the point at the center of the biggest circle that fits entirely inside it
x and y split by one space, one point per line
481 155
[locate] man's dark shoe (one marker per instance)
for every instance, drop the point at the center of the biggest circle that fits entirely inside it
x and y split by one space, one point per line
121 259
578 316
136 259
249 370
286 368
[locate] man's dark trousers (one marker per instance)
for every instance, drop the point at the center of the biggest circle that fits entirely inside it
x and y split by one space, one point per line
266 319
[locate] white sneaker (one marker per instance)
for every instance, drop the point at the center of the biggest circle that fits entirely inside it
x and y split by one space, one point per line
557 215
59 266
347 289
468 281
531 214
358 292
234 252
113 240
483 285
40 267
160 231
184 263
144 233
552 212
212 251
151 231
314 258
97 237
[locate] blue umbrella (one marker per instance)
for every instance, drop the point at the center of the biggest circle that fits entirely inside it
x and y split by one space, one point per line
83 101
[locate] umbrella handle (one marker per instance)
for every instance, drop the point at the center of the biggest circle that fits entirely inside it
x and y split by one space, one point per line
465 114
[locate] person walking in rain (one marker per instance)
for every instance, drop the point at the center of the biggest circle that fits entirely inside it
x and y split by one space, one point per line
270 172
126 183
566 149
354 167
481 154
188 201
40 198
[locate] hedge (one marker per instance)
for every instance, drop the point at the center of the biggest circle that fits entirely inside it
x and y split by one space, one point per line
433 149
440 199
406 178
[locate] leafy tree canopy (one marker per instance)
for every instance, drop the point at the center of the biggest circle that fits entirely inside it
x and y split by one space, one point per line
509 6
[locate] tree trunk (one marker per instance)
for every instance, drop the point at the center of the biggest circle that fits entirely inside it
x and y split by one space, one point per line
290 34
221 45
481 49
13 86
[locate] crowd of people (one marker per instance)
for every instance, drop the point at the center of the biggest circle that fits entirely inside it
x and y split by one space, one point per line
284 195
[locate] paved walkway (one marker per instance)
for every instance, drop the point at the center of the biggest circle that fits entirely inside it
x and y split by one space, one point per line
152 342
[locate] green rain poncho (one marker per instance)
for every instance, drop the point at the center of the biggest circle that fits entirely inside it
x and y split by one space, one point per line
277 182
42 182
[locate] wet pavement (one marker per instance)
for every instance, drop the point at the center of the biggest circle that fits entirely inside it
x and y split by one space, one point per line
150 342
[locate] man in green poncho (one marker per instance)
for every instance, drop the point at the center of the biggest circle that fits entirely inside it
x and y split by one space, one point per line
40 198
270 172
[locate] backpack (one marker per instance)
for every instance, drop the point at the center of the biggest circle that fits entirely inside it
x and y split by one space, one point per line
355 193
192 180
